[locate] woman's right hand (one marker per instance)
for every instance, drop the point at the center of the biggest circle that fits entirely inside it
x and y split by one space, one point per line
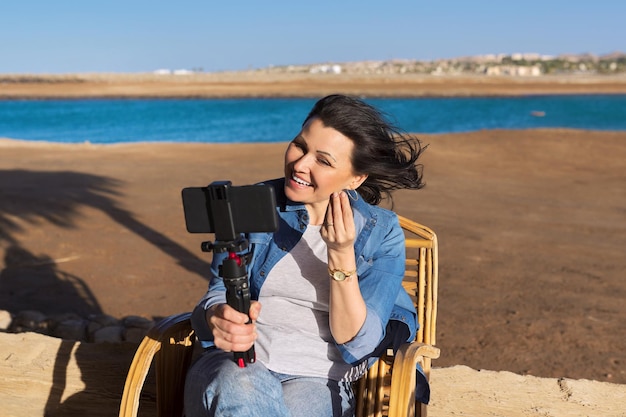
230 328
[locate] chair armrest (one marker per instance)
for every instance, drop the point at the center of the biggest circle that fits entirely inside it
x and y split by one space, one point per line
403 378
173 330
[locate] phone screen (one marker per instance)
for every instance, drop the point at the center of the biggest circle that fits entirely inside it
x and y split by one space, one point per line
251 208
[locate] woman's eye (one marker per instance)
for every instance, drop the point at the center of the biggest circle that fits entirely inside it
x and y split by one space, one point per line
324 162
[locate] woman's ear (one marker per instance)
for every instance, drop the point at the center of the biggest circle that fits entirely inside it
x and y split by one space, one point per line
356 182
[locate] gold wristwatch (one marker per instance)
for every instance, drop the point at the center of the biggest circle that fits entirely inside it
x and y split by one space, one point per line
340 274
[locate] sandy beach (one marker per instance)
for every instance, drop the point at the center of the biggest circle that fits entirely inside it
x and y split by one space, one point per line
531 223
531 228
271 84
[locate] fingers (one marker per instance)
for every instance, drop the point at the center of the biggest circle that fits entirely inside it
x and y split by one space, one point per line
255 310
230 331
228 313
346 211
339 212
338 225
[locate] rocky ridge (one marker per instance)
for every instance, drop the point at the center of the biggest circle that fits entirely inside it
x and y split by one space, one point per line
96 328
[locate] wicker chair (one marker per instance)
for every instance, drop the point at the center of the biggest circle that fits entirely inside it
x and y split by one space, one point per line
387 389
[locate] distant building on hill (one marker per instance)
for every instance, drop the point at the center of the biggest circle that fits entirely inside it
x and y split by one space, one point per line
325 69
516 64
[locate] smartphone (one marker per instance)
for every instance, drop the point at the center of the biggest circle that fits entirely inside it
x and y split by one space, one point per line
228 210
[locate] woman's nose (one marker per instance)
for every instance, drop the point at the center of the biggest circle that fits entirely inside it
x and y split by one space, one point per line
303 163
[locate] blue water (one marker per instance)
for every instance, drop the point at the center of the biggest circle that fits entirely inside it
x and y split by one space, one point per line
277 120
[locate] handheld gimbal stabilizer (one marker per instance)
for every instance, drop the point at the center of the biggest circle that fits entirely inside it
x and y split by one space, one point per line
233 272
228 212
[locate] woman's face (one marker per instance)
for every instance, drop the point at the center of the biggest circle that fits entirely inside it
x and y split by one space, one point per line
318 163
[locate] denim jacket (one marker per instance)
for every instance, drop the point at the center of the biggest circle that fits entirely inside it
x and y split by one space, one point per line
380 259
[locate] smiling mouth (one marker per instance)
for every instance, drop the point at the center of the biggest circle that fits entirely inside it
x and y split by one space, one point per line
301 182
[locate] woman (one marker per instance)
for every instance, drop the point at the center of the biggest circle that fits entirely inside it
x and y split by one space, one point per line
328 282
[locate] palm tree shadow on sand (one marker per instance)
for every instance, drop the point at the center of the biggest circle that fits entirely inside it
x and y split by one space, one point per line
32 281
36 197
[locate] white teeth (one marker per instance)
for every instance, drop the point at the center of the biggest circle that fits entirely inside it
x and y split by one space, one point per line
299 181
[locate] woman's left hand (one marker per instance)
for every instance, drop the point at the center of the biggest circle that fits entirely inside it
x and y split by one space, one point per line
338 230
346 305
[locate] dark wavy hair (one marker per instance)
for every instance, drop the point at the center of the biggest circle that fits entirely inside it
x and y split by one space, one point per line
381 150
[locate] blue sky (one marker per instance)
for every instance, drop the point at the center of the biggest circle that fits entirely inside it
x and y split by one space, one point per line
62 36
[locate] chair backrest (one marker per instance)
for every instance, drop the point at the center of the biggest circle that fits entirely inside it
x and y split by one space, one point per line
169 346
422 276
420 281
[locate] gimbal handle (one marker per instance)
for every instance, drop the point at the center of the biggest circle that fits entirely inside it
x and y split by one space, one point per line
233 272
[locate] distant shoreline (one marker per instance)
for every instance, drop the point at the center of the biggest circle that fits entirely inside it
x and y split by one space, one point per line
259 84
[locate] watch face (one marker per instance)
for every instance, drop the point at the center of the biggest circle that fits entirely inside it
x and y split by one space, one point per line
339 276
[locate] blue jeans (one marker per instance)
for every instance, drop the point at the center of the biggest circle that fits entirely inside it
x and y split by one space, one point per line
216 386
